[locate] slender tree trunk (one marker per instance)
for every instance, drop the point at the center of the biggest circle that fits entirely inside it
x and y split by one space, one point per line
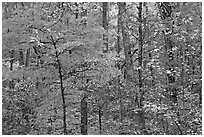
147 31
84 118
141 91
27 62
127 51
63 96
105 25
122 22
11 82
118 48
12 59
170 57
171 79
182 51
37 81
77 11
27 58
126 42
99 119
84 103
62 89
21 57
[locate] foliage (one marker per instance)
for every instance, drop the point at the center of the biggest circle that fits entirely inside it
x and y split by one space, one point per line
54 50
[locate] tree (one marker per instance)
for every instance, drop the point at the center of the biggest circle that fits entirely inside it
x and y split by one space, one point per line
105 24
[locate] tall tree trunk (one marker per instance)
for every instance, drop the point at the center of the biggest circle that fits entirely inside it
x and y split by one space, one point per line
118 48
141 91
77 11
27 62
183 75
63 96
147 27
119 23
84 118
168 51
122 22
11 82
126 42
100 119
171 79
12 59
127 51
105 25
21 57
62 89
84 103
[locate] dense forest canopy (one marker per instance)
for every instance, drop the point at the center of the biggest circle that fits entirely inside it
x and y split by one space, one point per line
110 68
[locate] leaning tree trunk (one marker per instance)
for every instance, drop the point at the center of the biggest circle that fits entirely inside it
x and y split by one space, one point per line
59 67
63 95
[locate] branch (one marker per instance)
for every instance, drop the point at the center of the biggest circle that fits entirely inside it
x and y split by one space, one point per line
23 42
130 57
117 16
45 42
177 126
33 27
133 53
61 16
134 36
74 71
59 39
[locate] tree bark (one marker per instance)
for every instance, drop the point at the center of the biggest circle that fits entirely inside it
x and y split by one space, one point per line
21 57
77 11
141 91
11 82
99 119
119 23
62 89
84 118
168 43
12 59
27 62
169 53
105 25
118 52
126 42
63 96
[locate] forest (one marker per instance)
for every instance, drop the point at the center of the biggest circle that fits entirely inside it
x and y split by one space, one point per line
101 68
